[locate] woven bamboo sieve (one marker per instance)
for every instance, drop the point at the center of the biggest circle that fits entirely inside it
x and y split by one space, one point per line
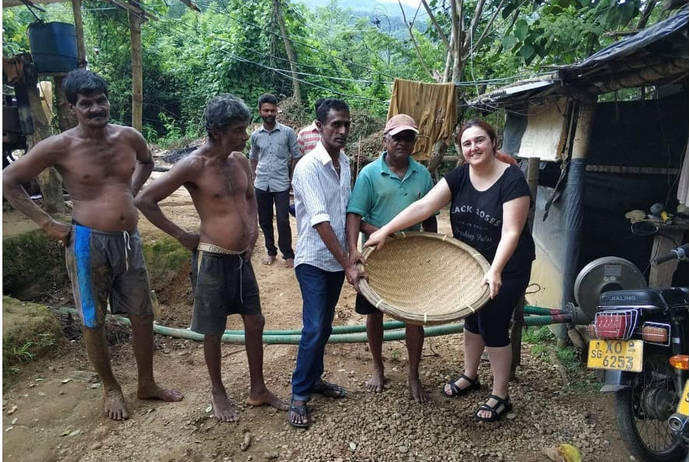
425 278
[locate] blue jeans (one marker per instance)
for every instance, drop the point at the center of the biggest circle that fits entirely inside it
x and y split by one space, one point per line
320 291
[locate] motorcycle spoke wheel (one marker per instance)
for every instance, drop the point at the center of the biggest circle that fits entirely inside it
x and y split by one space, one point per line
644 427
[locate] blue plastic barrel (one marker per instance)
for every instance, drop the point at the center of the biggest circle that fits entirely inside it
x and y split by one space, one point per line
53 46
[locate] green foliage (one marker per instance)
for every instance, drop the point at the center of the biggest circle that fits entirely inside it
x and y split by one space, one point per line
564 31
537 335
164 257
235 46
570 358
29 330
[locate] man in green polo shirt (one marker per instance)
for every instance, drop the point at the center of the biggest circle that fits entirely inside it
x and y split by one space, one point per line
383 189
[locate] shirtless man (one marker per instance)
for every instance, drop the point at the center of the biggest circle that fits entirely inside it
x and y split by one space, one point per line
103 166
219 181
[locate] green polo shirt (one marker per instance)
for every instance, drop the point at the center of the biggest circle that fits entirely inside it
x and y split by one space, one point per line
379 195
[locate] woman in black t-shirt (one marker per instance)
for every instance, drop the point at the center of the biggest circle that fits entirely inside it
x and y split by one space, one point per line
489 202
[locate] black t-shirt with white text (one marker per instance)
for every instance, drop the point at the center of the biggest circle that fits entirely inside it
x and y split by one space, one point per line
476 216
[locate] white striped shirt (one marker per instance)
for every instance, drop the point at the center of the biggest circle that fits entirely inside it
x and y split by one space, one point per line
320 196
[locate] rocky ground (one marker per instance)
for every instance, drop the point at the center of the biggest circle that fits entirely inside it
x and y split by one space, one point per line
52 408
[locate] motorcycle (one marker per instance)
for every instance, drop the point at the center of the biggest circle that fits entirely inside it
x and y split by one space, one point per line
640 339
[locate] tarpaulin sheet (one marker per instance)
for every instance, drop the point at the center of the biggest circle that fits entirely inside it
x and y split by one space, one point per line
434 108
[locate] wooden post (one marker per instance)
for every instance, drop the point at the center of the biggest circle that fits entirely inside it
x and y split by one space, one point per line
79 30
66 119
48 180
532 175
137 73
660 276
574 202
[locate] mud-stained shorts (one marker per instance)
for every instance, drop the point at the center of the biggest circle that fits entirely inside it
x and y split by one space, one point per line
223 284
106 266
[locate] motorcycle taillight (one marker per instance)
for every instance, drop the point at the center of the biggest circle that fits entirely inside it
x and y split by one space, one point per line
615 324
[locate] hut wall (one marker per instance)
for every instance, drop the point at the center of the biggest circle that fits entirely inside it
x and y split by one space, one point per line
651 133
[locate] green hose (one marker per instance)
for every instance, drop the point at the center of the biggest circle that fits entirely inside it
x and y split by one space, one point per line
341 334
529 309
336 329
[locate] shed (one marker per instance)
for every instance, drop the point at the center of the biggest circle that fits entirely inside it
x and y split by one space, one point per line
601 155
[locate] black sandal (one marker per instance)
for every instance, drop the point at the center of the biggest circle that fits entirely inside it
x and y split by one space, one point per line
474 384
300 410
502 407
328 389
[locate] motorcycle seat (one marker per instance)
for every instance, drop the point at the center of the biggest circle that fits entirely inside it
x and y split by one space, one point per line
645 298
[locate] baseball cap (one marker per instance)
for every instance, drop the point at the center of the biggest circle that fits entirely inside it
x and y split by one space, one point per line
399 123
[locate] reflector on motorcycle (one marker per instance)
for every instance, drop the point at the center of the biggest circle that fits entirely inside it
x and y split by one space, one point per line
655 332
617 324
680 362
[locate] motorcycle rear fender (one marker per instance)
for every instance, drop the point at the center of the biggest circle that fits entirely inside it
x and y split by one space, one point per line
615 381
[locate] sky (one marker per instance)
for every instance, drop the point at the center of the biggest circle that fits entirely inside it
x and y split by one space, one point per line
413 3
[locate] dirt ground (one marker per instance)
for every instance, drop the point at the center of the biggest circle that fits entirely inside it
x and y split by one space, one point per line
53 410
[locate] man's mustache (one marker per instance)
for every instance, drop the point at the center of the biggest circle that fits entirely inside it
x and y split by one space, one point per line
100 114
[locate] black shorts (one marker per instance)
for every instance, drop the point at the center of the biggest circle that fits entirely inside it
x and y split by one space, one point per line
492 321
223 285
363 306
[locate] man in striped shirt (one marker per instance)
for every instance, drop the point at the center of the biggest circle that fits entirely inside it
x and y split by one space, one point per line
309 136
321 185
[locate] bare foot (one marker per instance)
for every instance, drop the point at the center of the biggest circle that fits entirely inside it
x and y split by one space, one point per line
377 381
269 260
266 398
416 390
153 391
114 405
289 263
223 408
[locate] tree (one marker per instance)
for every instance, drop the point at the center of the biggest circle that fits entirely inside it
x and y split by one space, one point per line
500 35
277 15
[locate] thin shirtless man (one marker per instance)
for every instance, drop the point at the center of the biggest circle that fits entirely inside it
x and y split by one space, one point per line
103 166
219 181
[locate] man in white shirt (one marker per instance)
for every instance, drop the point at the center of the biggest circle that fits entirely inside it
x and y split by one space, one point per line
321 186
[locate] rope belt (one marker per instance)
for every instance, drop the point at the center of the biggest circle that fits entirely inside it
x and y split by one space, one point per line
212 248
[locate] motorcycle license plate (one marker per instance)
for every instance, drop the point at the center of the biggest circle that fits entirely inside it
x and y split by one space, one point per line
619 355
683 406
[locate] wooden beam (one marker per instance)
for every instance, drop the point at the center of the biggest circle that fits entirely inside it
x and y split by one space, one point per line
532 175
79 30
137 71
133 9
660 276
11 3
191 5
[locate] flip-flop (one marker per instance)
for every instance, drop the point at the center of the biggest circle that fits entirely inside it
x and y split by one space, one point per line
328 389
302 411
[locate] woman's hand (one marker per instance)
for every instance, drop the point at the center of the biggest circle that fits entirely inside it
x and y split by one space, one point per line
494 281
376 239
